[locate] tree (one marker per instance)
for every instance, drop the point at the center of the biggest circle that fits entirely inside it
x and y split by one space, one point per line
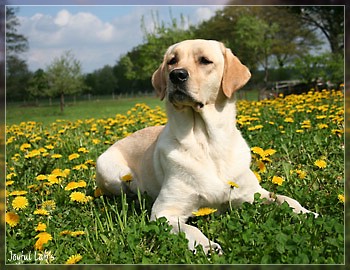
329 20
17 73
64 77
38 84
102 81
287 37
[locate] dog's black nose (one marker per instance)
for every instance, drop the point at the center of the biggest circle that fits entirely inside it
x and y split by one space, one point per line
178 76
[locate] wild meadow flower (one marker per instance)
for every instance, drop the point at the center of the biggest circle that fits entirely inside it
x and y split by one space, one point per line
33 153
233 184
20 202
41 177
25 146
80 167
18 193
77 233
289 120
56 156
74 185
41 212
74 259
127 177
49 205
341 198
320 163
41 227
205 211
277 180
43 238
73 156
83 150
80 197
12 219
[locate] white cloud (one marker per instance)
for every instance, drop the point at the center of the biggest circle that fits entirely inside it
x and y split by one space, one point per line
92 40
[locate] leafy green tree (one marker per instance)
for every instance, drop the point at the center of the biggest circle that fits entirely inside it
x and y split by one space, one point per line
134 69
329 20
17 73
38 84
270 27
102 81
256 36
64 77
327 66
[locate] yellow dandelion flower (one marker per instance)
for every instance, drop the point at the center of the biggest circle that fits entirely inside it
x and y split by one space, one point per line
61 173
289 120
77 233
25 146
74 259
53 179
83 150
41 177
33 153
341 198
49 205
261 165
204 211
127 177
74 185
56 156
49 146
20 202
43 238
257 176
10 175
80 167
320 163
65 232
41 227
277 180
233 184
301 174
73 156
96 141
322 126
18 193
41 212
11 219
80 197
9 183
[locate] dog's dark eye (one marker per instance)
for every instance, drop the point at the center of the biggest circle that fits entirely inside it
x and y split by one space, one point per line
205 61
172 61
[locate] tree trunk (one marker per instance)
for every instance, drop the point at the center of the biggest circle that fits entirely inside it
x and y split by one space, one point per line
62 102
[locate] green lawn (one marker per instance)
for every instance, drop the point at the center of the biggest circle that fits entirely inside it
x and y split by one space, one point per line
103 108
54 209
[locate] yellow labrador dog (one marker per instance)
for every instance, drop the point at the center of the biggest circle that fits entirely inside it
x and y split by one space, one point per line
188 163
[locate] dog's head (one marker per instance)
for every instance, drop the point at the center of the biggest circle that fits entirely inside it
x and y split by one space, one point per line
195 72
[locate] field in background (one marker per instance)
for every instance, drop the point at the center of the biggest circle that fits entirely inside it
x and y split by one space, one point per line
96 107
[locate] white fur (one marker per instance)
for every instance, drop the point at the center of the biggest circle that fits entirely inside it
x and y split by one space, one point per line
187 164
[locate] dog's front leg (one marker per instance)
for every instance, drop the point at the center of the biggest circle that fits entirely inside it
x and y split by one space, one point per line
177 209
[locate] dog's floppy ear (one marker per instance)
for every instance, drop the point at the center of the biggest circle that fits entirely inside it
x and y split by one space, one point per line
159 82
235 76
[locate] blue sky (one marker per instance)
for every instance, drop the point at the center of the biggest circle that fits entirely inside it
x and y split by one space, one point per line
96 34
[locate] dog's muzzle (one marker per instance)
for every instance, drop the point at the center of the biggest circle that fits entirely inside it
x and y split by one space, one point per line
179 95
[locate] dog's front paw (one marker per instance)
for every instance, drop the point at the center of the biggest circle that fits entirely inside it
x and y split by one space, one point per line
210 247
213 248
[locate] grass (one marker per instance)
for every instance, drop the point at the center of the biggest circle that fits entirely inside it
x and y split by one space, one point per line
46 114
53 209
